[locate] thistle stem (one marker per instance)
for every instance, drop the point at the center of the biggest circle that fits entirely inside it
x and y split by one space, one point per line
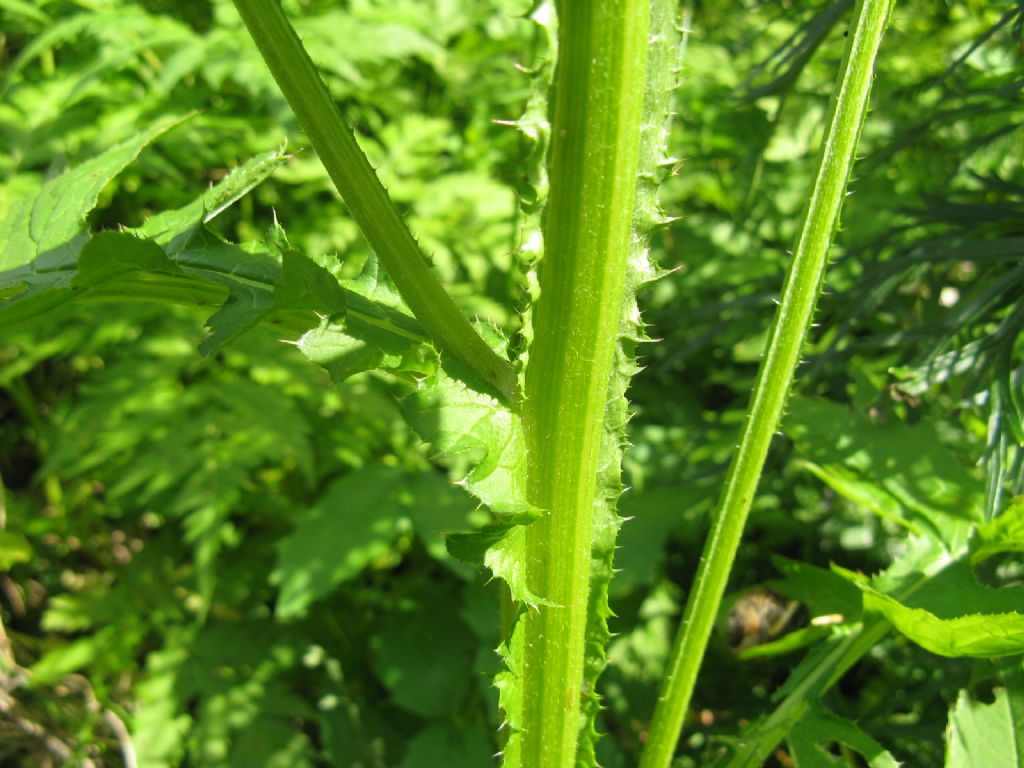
598 102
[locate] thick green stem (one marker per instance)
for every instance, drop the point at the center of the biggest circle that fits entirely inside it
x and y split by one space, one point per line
596 116
365 196
789 329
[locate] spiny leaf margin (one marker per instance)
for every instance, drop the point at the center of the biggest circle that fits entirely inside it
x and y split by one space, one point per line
663 62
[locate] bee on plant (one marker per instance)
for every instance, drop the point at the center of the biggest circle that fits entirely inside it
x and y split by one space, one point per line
757 617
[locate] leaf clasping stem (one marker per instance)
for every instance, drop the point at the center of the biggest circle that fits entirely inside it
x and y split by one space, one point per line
366 198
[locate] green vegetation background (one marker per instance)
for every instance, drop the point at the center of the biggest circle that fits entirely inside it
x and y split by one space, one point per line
244 565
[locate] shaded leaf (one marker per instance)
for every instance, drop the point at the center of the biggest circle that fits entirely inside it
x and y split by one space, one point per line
425 654
353 522
649 518
824 592
806 742
443 745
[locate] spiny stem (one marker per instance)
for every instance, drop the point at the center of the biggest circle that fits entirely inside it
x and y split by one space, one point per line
365 196
789 329
597 108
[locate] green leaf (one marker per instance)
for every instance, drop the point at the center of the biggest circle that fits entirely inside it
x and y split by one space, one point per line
500 548
227 703
160 724
986 734
273 740
824 592
918 574
109 645
471 427
370 41
336 348
42 229
895 470
352 524
443 745
482 441
377 332
425 654
43 233
112 255
305 285
216 674
861 492
1004 534
14 549
822 727
972 634
173 228
248 273
946 611
437 509
370 336
171 258
95 605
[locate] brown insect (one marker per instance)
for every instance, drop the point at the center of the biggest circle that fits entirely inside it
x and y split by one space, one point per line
757 617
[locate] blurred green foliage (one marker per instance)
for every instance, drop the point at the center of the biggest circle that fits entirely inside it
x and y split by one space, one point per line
232 561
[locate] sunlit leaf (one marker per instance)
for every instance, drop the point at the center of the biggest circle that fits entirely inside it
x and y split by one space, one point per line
40 230
14 549
968 634
895 470
986 733
1004 534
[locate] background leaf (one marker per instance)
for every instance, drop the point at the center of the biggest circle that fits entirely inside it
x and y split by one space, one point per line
984 733
809 739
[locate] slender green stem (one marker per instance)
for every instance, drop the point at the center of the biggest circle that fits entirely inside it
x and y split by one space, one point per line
596 117
365 196
789 329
